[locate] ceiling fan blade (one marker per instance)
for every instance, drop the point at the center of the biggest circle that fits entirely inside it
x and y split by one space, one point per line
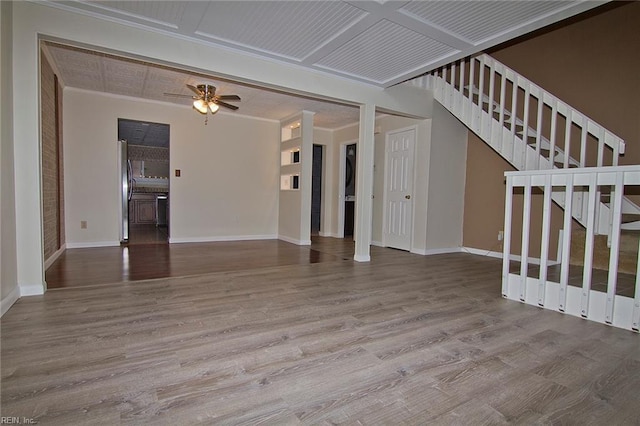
228 97
178 95
195 90
226 105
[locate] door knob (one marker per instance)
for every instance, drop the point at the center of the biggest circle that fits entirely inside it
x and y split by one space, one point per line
408 197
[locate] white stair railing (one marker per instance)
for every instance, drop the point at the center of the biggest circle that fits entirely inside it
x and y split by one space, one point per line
526 125
549 286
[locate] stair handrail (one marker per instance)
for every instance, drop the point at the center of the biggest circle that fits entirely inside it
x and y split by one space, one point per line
455 75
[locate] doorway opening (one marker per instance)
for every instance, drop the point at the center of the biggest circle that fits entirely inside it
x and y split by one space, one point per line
145 177
349 189
316 190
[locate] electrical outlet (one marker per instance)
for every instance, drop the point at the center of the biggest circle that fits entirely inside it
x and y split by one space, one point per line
500 235
83 224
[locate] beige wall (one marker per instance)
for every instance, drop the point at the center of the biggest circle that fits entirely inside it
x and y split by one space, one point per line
447 161
227 188
592 64
439 169
9 291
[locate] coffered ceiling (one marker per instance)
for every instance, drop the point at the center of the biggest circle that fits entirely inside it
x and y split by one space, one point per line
379 43
376 42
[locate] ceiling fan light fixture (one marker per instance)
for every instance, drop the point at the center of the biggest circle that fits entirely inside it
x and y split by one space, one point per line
200 105
214 107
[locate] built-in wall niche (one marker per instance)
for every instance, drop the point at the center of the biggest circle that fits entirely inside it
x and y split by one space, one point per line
289 182
290 156
291 131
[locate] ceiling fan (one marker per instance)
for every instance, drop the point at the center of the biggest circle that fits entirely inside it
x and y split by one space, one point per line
206 100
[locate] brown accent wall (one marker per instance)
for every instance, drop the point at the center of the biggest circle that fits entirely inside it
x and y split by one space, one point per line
590 62
52 183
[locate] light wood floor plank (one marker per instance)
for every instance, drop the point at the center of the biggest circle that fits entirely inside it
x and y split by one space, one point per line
307 336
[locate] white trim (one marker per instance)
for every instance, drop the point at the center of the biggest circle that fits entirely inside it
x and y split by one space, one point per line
31 290
331 234
429 252
327 234
294 241
377 243
165 103
52 63
8 301
54 257
498 255
488 253
213 239
93 244
360 258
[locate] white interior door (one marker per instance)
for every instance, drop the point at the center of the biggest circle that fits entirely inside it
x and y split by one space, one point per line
400 148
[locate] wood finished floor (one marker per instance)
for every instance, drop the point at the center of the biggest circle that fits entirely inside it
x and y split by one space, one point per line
142 261
404 339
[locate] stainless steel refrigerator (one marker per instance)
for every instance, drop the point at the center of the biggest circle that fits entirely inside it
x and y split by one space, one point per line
126 178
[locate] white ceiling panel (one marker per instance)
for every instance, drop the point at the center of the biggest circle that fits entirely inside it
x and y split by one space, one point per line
379 43
476 21
375 42
288 28
168 13
384 51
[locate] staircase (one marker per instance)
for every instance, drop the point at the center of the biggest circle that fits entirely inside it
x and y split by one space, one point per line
530 128
573 161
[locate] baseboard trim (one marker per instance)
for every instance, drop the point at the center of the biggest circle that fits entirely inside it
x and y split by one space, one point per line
93 244
377 244
54 257
31 289
173 240
8 301
294 241
498 255
480 252
361 258
429 252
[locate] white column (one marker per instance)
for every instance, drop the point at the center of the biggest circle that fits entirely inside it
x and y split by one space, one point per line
364 183
306 164
26 139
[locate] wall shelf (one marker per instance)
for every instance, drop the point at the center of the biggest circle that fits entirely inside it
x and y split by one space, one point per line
290 156
296 148
289 182
291 130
